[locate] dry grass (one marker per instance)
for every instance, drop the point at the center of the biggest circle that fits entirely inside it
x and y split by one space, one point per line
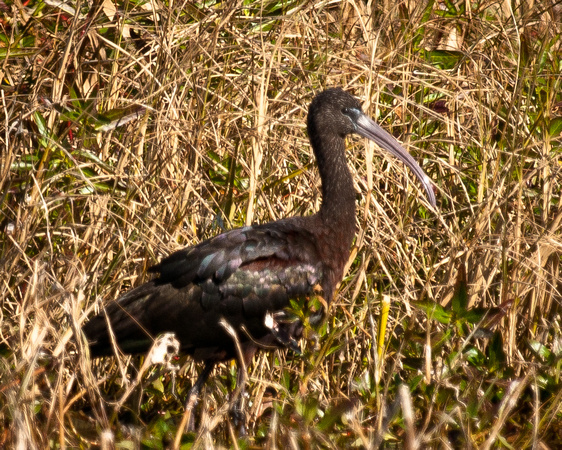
446 331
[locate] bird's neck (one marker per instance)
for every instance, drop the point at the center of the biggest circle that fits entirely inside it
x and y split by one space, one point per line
337 212
338 194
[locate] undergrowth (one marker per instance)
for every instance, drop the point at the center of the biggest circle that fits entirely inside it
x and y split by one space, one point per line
132 129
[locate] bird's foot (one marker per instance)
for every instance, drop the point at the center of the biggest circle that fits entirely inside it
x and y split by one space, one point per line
191 404
238 416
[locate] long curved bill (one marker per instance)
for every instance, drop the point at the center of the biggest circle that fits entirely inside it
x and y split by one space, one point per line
369 129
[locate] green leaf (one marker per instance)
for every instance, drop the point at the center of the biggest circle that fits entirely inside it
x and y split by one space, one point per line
117 117
158 385
334 413
434 311
443 59
555 127
459 302
42 128
540 349
474 356
496 355
307 408
473 315
16 53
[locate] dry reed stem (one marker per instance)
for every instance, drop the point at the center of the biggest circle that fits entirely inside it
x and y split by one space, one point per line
222 143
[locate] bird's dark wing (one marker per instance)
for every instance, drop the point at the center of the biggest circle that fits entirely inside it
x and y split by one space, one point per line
239 275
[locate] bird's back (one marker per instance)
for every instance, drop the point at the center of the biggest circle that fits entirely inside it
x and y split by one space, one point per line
239 276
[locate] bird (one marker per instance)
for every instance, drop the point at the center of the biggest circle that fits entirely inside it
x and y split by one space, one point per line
248 276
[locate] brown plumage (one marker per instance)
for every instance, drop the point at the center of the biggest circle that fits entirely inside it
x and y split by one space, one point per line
247 273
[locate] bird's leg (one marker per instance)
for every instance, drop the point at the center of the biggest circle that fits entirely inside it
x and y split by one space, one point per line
193 395
244 353
237 410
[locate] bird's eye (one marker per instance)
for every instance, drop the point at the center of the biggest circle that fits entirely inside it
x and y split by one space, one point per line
351 112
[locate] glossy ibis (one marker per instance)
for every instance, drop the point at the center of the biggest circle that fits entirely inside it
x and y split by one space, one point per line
247 276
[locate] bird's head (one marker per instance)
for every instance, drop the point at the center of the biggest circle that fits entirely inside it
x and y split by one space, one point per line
335 113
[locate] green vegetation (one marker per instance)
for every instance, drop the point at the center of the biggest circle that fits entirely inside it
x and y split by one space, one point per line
131 129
